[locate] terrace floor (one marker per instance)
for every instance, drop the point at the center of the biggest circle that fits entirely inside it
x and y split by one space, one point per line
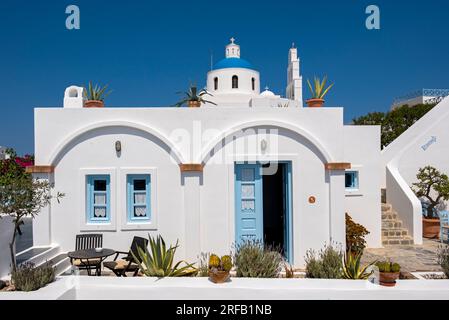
411 258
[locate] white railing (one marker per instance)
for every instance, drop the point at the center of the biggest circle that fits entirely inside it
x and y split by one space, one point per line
405 202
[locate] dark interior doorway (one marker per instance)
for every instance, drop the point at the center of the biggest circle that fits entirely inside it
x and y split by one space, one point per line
274 207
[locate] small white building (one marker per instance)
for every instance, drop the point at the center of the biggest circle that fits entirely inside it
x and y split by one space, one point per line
423 96
255 166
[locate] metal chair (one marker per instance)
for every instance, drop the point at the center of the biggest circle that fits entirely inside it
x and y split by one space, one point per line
444 226
84 242
122 266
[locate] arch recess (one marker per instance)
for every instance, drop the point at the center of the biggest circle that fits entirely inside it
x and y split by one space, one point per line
258 123
127 124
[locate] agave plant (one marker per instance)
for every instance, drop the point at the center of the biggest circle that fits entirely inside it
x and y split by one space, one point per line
193 95
159 262
96 92
318 90
352 269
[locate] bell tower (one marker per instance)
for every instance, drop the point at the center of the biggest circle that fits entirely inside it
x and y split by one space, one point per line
294 78
232 50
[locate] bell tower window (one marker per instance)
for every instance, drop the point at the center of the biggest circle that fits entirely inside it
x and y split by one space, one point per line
235 82
253 84
215 83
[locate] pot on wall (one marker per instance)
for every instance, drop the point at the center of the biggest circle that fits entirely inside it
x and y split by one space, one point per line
388 279
315 103
431 228
218 276
93 104
194 104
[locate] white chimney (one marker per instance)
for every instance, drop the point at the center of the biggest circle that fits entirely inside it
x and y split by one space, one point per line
73 97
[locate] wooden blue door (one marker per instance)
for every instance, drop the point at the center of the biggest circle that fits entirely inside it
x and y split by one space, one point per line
249 202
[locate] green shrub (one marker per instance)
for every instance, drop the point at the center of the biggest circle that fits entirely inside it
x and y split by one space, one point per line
253 260
443 259
203 268
355 236
27 277
388 266
327 264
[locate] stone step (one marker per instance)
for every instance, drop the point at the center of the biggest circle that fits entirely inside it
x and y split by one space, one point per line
391 224
395 242
389 216
386 207
394 232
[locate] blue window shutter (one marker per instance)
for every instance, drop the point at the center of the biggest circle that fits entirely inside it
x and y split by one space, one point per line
131 192
90 199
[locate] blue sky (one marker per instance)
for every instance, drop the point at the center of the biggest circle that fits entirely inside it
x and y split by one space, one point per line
147 51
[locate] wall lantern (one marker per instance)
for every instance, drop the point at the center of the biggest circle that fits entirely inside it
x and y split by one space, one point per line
263 145
118 146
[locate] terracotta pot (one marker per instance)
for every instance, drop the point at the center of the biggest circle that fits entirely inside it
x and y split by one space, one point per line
93 104
194 104
315 103
431 228
388 279
219 276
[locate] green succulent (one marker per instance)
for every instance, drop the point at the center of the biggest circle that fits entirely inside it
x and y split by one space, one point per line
96 92
214 261
352 268
318 91
226 263
159 262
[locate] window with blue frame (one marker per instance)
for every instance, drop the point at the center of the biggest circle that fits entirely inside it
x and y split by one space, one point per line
98 198
139 197
351 180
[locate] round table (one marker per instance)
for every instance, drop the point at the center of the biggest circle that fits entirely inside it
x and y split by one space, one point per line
91 254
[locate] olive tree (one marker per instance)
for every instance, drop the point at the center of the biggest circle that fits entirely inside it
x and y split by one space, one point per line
433 186
20 195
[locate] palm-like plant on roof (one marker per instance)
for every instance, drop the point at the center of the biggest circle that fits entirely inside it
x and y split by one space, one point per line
96 92
318 90
193 97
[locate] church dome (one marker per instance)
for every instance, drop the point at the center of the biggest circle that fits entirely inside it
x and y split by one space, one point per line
233 63
267 93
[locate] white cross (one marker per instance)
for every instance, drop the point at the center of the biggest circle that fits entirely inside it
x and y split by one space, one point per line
232 40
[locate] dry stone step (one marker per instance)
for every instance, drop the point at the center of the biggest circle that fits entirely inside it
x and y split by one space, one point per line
395 232
386 207
391 224
390 216
396 242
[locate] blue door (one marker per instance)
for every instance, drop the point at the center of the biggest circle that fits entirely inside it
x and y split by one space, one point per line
249 202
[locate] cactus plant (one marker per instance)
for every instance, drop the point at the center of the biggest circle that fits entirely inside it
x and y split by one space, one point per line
226 263
214 261
388 273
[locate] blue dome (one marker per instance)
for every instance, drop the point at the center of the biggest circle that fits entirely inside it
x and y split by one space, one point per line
233 63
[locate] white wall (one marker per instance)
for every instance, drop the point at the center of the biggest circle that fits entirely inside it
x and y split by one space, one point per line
79 140
362 150
6 232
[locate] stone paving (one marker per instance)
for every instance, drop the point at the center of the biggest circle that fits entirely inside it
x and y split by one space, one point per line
411 258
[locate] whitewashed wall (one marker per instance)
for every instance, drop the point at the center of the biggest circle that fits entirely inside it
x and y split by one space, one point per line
6 232
363 205
79 140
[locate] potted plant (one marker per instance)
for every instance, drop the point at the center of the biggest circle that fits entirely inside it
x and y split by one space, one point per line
193 98
352 268
219 268
433 186
318 92
388 273
95 96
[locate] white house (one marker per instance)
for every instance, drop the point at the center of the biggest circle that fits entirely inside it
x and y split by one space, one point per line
256 165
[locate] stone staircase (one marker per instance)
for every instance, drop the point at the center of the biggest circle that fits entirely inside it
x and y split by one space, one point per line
392 231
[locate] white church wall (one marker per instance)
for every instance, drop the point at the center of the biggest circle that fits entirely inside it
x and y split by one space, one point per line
362 150
310 221
84 139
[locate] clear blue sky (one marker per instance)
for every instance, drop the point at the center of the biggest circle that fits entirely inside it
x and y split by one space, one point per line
147 51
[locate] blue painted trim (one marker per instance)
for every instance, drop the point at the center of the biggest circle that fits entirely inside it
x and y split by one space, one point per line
90 196
130 197
257 232
354 180
233 63
289 214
